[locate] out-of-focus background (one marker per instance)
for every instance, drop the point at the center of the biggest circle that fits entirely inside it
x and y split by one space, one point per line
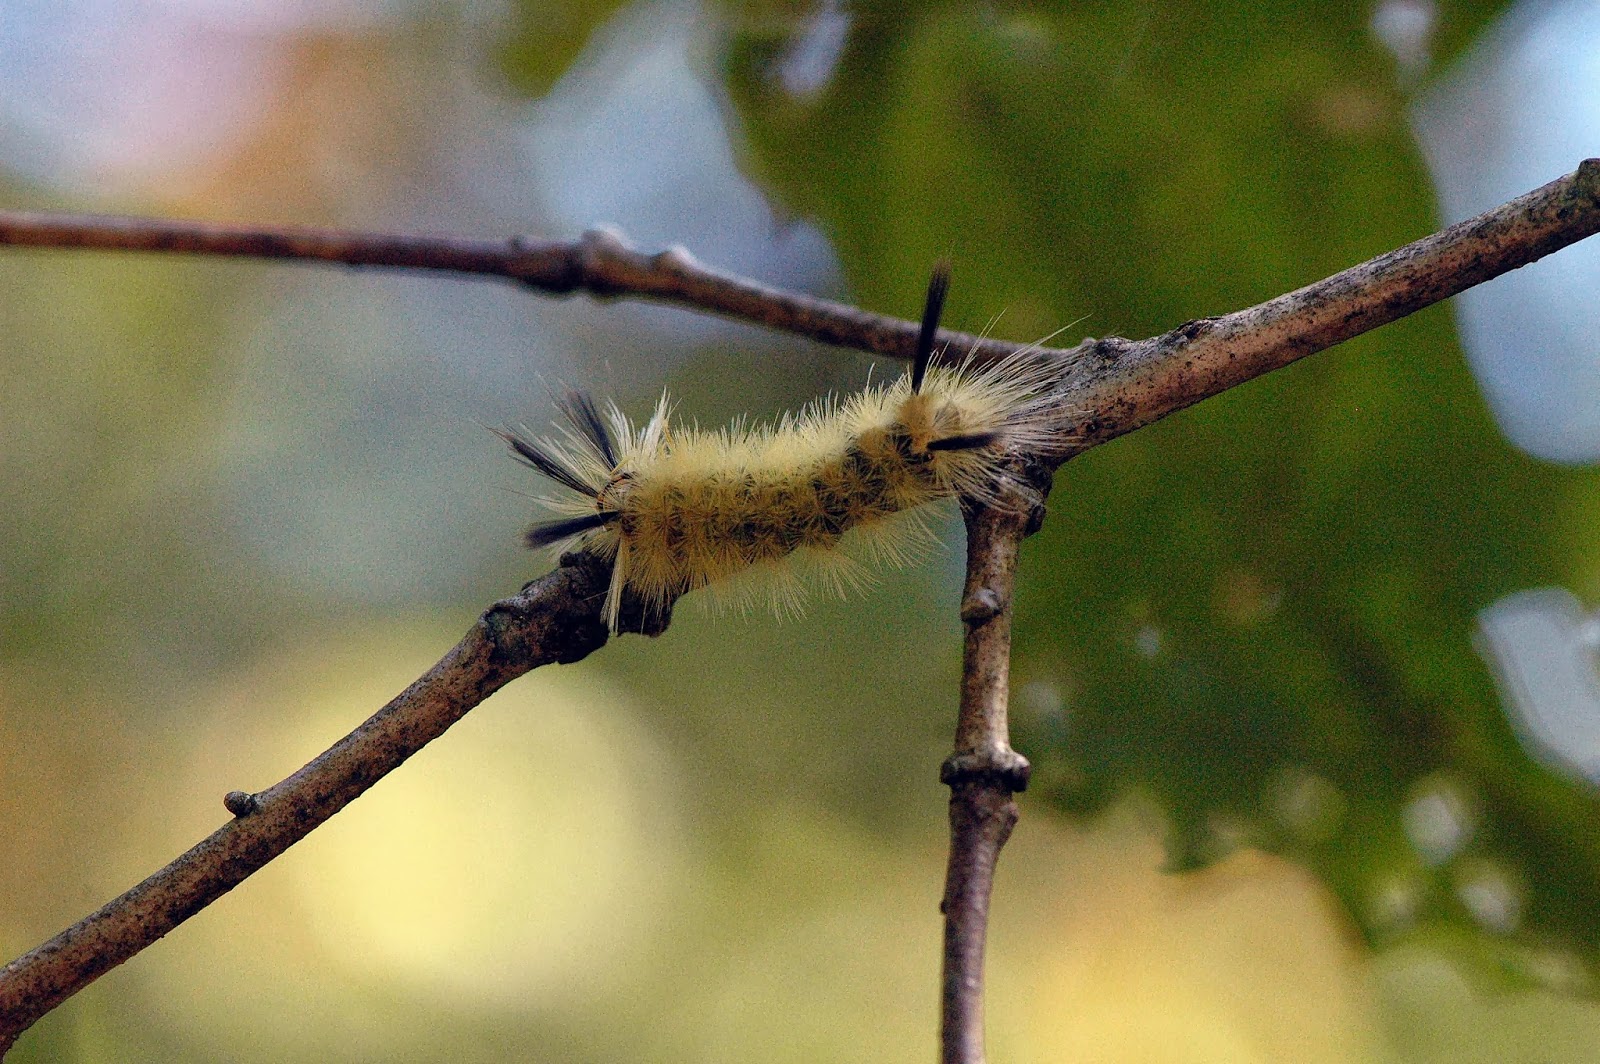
1323 642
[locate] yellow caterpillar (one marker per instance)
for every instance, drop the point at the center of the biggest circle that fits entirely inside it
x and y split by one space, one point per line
679 509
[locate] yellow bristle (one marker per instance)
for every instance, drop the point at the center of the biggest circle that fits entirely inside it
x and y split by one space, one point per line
755 509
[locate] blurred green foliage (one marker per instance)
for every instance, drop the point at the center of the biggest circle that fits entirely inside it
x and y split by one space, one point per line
1260 611
547 37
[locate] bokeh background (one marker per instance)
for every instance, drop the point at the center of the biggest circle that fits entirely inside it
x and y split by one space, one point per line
243 504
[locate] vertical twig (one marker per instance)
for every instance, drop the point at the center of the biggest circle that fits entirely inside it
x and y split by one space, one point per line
984 772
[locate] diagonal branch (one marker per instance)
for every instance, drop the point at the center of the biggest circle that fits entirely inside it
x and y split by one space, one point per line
1108 387
554 619
1121 385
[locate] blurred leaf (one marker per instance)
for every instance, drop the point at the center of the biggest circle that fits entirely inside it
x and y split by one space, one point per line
1259 611
546 37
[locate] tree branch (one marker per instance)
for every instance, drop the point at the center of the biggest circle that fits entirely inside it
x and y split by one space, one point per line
1108 387
554 619
984 772
1120 386
601 263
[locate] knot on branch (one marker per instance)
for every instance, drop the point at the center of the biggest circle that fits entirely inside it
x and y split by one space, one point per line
239 803
1036 477
555 618
676 260
1194 328
996 767
1104 351
1589 177
558 618
1022 489
635 616
982 605
601 251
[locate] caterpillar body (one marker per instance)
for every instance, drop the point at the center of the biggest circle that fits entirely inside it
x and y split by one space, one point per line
677 509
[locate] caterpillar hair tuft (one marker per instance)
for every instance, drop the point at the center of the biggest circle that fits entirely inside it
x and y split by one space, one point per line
676 509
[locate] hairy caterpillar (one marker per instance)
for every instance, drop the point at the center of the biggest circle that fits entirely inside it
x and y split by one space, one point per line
678 509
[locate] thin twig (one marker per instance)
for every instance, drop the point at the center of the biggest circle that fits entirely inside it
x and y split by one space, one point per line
1126 386
1114 385
984 772
1109 387
601 263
